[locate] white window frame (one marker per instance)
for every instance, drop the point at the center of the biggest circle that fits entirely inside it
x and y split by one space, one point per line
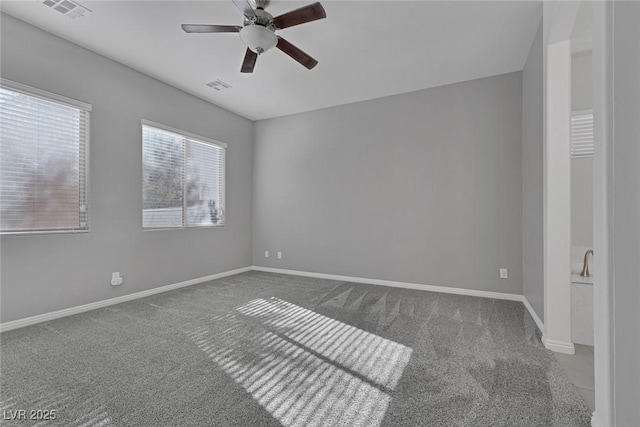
84 184
198 138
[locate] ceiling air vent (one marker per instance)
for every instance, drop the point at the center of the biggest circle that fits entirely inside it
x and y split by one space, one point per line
219 85
67 7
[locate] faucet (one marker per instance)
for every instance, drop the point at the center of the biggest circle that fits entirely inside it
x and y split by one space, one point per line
585 268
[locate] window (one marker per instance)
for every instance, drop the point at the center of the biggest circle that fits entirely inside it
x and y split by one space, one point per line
582 134
44 141
183 178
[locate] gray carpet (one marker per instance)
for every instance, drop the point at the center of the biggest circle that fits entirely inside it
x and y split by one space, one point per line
260 349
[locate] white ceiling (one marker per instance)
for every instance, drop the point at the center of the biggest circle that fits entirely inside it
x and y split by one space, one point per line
365 49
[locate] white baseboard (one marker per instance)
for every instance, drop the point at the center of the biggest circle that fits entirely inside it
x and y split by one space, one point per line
20 323
15 324
559 346
533 314
406 285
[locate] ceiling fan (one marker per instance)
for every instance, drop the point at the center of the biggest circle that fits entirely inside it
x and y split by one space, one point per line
258 32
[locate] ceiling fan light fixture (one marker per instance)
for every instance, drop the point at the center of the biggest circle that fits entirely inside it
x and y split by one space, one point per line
258 38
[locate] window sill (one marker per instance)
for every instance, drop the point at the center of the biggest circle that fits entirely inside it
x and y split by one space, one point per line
41 233
191 227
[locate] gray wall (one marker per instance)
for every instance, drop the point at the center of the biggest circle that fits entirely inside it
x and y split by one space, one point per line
582 202
626 212
582 81
532 178
582 168
43 273
424 187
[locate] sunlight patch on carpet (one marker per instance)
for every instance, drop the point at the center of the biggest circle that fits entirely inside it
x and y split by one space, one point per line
304 368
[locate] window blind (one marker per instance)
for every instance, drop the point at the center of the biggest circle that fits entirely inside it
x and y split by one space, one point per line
183 179
582 134
43 162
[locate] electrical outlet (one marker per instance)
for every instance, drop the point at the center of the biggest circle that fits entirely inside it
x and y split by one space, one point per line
279 255
504 273
116 280
266 254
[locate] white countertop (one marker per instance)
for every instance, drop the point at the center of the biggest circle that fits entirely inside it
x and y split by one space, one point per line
577 278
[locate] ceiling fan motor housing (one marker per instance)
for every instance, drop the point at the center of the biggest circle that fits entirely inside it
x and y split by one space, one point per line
259 34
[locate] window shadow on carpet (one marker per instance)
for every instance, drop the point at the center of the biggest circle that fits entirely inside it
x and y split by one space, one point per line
304 368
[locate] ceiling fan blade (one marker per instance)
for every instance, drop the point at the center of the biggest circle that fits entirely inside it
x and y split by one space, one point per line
249 61
197 28
245 7
296 53
300 16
